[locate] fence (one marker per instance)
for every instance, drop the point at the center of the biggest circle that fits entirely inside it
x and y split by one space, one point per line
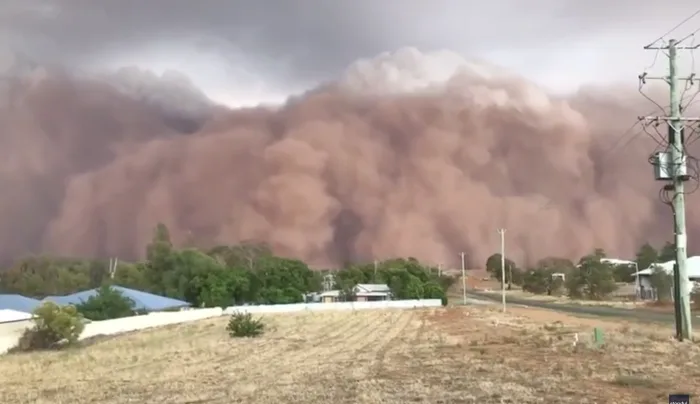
297 307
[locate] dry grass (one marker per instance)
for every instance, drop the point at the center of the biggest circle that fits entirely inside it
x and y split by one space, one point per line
456 355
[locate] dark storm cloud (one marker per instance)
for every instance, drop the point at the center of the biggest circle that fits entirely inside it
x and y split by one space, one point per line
317 38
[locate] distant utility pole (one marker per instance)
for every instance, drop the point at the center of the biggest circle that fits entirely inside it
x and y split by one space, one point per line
374 278
670 165
502 232
464 279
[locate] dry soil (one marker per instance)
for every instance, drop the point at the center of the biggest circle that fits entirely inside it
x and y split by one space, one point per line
453 355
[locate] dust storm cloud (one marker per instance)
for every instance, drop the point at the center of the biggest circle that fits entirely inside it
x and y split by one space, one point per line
363 167
406 154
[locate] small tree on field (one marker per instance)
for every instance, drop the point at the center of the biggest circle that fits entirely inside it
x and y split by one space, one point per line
244 325
55 326
108 303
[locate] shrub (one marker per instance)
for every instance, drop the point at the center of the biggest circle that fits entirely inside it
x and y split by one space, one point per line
443 299
107 304
244 325
55 326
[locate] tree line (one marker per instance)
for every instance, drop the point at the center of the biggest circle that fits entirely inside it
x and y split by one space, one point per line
591 277
248 273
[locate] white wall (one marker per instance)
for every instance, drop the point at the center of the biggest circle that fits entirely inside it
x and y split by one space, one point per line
296 307
10 332
156 319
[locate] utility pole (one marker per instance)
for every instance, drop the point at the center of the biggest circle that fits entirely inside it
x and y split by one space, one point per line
464 280
374 278
670 165
502 232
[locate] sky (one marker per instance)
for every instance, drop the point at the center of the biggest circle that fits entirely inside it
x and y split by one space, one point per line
243 52
375 164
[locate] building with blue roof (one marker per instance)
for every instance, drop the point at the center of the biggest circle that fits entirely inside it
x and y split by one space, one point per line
142 301
18 303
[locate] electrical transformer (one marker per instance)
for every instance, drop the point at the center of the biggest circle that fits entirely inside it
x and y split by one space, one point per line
663 167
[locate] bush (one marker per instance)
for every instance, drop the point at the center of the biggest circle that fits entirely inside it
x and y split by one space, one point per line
55 327
443 299
243 325
107 304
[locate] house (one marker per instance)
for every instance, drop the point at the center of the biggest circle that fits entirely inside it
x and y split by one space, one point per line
329 296
142 301
369 292
362 292
616 262
645 287
18 303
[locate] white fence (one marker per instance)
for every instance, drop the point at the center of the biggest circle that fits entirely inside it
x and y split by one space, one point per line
8 338
290 308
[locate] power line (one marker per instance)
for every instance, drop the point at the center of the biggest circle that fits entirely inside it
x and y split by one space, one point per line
673 29
689 35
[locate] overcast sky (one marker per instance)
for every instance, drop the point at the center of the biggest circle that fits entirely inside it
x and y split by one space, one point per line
268 48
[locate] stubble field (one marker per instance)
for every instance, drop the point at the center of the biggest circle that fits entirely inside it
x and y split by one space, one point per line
454 355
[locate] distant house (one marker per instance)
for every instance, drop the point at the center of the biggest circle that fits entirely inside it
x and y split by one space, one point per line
142 301
616 261
370 292
646 290
329 296
18 303
362 292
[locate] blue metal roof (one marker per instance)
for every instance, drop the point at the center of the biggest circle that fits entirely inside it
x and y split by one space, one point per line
142 300
18 303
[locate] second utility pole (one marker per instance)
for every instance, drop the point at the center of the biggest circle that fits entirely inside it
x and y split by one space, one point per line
464 280
671 165
502 232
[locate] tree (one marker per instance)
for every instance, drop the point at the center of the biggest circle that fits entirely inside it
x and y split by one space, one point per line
536 281
245 255
646 256
493 266
541 281
222 276
662 282
556 265
107 304
667 252
623 273
159 255
593 279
